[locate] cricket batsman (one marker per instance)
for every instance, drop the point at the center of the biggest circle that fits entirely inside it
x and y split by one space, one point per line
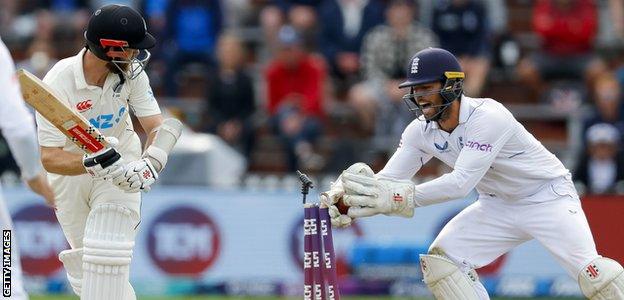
98 195
18 129
525 192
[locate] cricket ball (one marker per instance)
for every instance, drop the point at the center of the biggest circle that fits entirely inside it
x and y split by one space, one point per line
342 207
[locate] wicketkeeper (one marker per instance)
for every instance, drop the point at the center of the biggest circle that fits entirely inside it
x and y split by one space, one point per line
525 192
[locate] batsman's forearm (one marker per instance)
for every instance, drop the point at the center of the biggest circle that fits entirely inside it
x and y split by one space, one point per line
58 161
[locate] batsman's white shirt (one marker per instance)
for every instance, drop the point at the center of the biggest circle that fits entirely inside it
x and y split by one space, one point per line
525 192
107 109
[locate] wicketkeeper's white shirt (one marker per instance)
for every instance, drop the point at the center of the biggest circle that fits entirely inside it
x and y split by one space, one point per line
16 122
489 150
105 108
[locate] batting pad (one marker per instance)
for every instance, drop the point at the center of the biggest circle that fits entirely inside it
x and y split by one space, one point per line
602 279
445 280
72 261
108 243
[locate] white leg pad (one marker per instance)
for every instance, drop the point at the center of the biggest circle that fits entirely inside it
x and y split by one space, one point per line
602 279
446 281
72 261
108 243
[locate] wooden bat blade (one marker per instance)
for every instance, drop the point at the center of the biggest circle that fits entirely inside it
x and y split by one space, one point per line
42 98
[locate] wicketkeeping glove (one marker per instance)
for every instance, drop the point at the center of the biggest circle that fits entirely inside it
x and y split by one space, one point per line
106 164
330 199
139 175
368 195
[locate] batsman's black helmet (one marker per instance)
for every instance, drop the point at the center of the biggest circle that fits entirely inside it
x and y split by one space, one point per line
118 27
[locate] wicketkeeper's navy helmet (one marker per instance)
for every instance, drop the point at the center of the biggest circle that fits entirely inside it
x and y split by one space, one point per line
433 65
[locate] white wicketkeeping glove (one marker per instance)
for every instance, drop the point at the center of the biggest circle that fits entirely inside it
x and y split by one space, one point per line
369 196
329 199
336 193
139 175
105 164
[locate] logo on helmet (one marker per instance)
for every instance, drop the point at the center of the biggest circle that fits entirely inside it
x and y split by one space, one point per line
414 69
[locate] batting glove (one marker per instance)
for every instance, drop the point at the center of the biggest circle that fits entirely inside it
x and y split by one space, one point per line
139 175
106 164
369 196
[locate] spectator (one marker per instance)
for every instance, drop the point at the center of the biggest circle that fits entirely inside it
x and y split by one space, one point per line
40 58
345 22
231 98
601 169
295 82
300 14
616 9
567 29
463 29
385 51
497 14
607 95
192 27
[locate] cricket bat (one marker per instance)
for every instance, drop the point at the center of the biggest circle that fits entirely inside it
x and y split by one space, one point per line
71 124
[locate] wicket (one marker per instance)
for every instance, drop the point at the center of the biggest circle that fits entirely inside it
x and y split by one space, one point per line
320 278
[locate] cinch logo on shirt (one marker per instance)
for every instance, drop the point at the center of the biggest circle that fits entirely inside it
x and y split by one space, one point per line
479 146
84 105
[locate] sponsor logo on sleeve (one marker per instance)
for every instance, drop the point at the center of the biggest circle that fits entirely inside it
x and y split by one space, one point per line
479 146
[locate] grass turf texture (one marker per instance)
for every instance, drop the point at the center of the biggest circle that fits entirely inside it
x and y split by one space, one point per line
264 298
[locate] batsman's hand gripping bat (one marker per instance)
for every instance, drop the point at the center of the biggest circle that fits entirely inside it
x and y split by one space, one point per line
41 97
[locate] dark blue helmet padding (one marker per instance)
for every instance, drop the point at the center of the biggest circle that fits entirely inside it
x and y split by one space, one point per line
433 65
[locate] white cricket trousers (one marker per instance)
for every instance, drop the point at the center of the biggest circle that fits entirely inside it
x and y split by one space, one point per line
17 282
492 226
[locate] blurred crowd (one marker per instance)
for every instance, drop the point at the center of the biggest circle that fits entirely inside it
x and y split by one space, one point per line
313 84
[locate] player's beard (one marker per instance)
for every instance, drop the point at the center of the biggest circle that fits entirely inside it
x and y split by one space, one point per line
445 114
112 67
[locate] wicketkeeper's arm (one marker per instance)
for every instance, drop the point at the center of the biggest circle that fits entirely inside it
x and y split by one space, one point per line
485 137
